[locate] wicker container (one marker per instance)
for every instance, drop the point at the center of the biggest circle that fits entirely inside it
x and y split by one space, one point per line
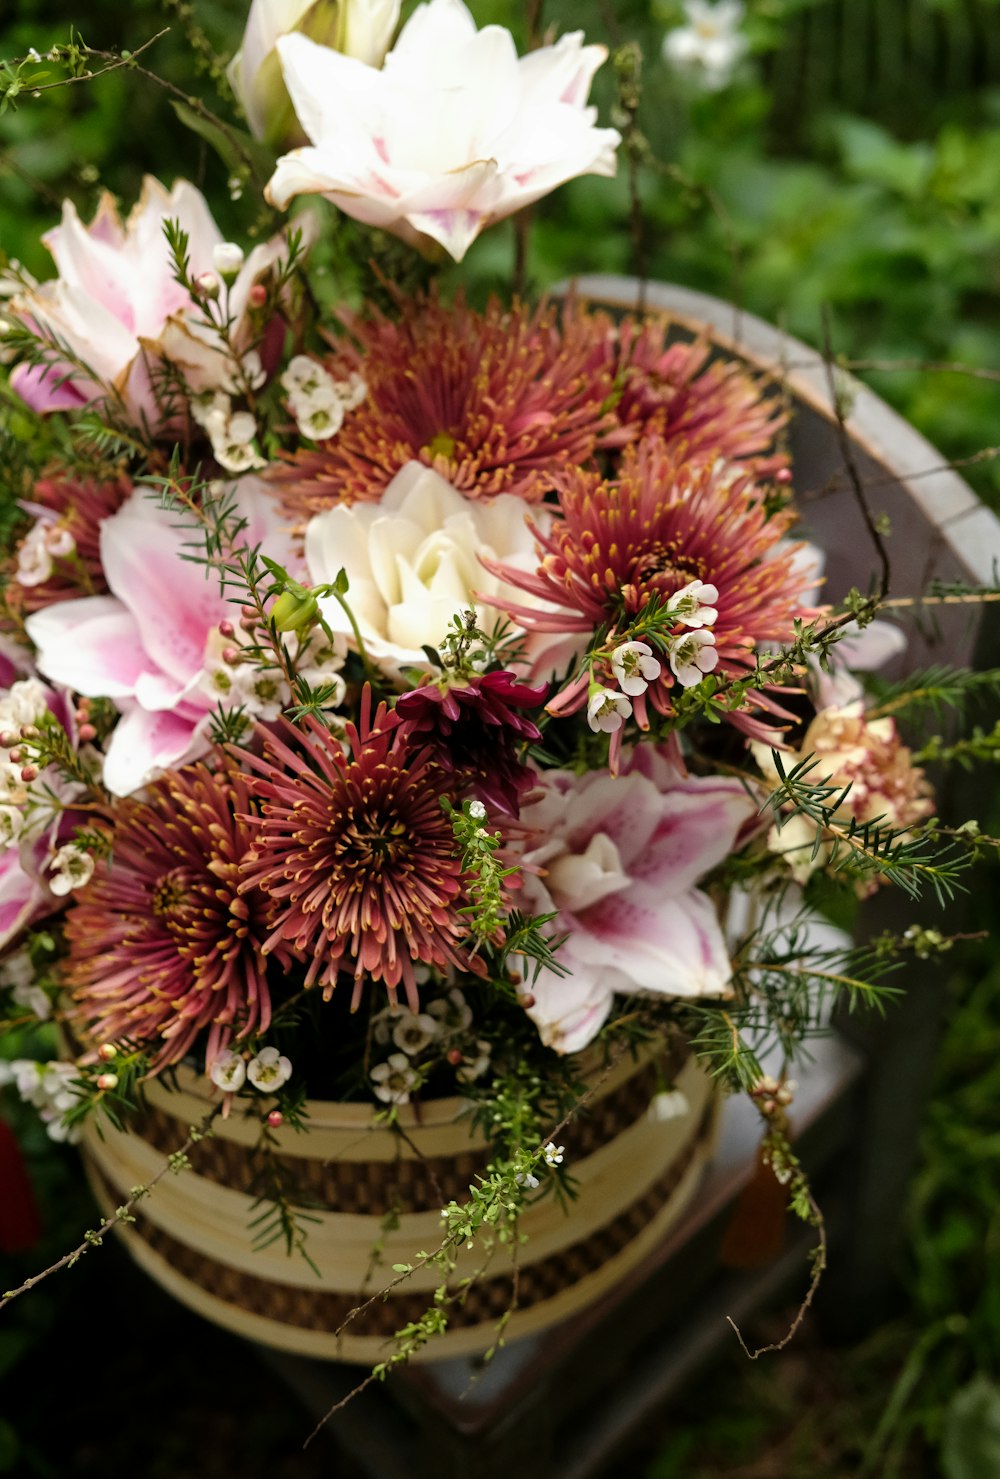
633 1175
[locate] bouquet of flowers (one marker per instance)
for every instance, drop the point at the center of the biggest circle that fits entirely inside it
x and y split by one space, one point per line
410 697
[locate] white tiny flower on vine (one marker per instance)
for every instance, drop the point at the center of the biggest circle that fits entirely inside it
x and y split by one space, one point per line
269 1070
671 1104
34 558
695 604
607 711
634 667
303 374
228 1072
414 1031
473 1068
71 868
477 811
227 258
35 999
319 421
59 541
553 1154
352 391
394 1079
692 656
453 1010
525 1178
11 825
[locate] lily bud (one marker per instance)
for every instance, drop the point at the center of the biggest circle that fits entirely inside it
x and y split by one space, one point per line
358 28
295 610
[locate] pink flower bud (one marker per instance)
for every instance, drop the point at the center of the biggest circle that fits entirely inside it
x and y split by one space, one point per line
275 1119
87 732
248 612
455 1057
16 757
107 1081
29 773
526 1001
783 475
226 628
230 655
206 285
107 1051
257 295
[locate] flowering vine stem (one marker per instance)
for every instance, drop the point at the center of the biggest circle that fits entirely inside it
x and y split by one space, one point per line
175 1163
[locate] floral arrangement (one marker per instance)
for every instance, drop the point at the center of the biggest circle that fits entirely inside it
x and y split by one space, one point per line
408 696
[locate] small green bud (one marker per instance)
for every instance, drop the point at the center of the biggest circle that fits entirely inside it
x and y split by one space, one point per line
295 610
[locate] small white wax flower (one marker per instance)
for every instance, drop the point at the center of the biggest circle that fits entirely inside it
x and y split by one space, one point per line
607 711
71 868
227 258
453 1010
228 1072
26 702
711 45
692 656
477 810
319 421
394 1079
16 970
269 1070
59 542
352 391
35 999
473 1068
525 1178
11 825
553 1154
695 604
670 1105
303 374
413 1031
34 558
634 667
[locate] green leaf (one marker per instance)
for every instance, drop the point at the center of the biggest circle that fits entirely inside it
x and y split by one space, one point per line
971 1446
235 148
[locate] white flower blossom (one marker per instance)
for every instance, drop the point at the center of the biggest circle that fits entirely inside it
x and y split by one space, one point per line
692 656
671 1104
34 558
473 1068
269 1070
35 999
25 702
59 541
695 604
228 1072
711 45
477 810
394 1079
607 711
414 1031
634 667
553 1154
227 258
525 1178
48 1088
453 1010
71 868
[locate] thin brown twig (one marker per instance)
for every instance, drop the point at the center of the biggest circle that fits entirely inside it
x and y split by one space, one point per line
197 1133
847 452
115 62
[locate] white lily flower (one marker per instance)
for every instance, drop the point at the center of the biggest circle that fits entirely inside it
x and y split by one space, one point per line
455 132
358 28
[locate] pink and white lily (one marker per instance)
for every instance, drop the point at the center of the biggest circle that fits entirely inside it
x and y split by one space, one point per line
619 860
151 645
118 310
455 132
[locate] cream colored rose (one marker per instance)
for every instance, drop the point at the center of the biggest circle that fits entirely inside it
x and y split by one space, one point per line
412 563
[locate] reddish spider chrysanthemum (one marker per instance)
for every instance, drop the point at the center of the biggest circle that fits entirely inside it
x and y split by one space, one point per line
357 855
661 524
496 402
68 513
162 946
474 728
670 391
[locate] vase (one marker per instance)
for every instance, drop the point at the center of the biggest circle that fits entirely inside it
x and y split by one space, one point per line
370 1187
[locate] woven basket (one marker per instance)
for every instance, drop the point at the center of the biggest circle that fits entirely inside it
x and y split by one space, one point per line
633 1177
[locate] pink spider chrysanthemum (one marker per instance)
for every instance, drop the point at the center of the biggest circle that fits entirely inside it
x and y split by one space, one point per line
496 402
672 391
162 947
357 855
662 524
